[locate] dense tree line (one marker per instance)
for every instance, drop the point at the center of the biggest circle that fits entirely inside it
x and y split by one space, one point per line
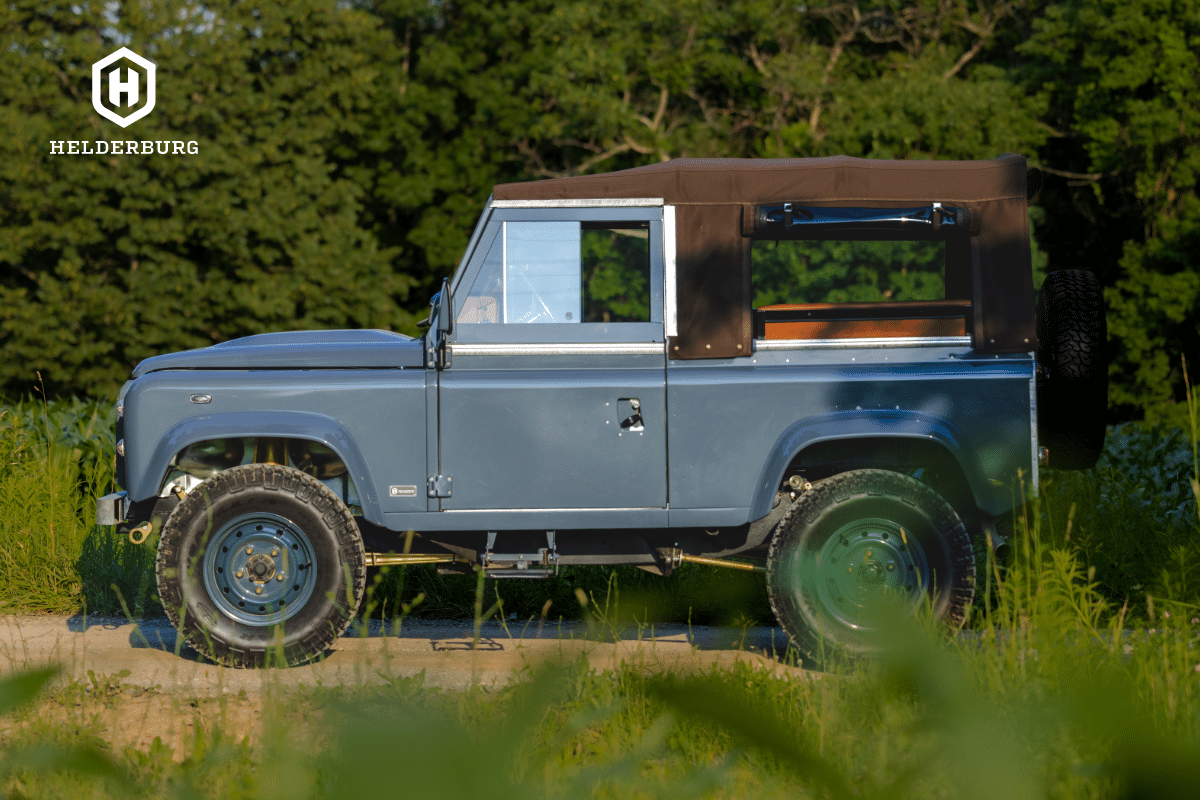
345 149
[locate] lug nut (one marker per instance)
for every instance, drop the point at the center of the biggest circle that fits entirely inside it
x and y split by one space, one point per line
239 573
274 551
891 566
280 576
258 590
249 551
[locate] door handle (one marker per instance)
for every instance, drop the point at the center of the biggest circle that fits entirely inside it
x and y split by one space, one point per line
634 421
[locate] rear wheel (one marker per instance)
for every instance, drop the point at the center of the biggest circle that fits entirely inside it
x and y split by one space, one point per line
261 560
858 538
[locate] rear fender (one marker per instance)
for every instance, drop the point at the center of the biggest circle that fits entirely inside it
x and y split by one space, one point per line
846 426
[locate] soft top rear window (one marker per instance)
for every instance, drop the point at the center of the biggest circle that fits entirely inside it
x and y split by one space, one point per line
847 271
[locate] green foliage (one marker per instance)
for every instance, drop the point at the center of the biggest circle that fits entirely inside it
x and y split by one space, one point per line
1022 711
1120 81
616 275
847 272
113 259
55 460
1132 518
21 689
346 149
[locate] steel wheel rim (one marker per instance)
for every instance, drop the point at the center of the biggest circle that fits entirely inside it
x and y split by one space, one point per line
862 563
263 548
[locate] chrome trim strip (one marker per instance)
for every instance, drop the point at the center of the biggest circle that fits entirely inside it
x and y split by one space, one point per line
503 272
670 315
562 349
542 510
607 202
842 344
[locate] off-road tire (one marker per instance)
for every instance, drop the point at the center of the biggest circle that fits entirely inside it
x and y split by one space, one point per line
277 508
881 518
1072 380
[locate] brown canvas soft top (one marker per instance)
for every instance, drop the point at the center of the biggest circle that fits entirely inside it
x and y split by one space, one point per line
764 180
713 257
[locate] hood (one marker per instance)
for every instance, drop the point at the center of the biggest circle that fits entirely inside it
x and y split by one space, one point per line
369 349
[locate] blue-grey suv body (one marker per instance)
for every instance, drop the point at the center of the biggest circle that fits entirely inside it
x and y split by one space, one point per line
611 378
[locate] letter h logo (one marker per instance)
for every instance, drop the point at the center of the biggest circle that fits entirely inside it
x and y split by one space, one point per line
118 89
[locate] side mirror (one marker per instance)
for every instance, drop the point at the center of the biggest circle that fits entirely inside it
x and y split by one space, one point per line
444 307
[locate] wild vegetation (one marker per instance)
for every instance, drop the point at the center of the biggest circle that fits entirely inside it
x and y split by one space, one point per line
345 149
1054 692
1077 674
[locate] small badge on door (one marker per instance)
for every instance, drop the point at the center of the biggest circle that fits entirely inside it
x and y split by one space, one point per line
402 491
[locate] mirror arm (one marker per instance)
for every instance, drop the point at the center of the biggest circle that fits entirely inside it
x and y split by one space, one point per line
444 307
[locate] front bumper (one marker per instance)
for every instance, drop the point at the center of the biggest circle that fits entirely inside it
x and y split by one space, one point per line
111 509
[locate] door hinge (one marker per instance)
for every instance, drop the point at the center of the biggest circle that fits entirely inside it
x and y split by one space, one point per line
439 485
438 354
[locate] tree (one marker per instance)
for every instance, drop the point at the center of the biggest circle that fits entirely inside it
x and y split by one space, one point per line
109 259
1121 82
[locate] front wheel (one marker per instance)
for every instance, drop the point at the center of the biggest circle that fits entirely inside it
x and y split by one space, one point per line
258 560
857 538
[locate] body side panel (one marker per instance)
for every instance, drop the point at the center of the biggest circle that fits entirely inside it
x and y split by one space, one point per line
373 419
544 431
736 424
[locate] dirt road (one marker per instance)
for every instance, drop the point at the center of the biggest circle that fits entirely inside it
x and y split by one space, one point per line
155 659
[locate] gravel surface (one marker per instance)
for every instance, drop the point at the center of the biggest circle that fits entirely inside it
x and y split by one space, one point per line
155 658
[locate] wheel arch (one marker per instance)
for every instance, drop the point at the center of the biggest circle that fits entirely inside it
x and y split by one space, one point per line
300 425
827 444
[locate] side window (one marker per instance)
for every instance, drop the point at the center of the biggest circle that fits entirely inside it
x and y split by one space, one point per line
563 272
847 271
616 271
487 293
832 273
541 272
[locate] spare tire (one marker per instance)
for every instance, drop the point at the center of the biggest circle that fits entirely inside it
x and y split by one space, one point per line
1072 374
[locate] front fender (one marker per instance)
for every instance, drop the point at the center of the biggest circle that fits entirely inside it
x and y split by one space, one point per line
147 476
860 424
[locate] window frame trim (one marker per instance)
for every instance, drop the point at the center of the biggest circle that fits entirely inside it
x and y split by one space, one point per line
568 332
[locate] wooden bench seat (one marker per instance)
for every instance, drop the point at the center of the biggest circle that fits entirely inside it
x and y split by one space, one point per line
863 320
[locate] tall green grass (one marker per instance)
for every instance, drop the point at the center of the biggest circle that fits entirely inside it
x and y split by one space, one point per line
1044 699
1065 687
1080 678
1133 518
55 460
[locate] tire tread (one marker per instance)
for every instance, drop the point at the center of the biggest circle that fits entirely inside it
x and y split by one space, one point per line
271 477
832 491
1072 385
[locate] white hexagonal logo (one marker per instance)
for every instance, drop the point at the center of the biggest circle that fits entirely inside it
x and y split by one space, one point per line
122 92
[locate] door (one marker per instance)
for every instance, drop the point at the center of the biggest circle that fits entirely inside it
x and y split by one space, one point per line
554 394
